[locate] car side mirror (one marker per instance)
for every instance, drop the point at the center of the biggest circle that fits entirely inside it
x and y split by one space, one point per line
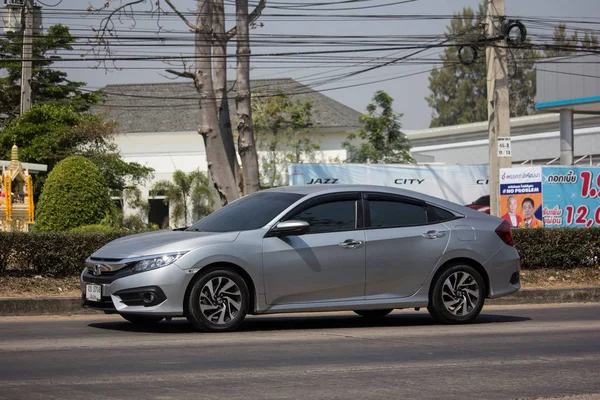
290 228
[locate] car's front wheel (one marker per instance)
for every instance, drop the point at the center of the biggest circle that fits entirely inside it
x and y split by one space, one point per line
458 295
142 320
218 301
373 313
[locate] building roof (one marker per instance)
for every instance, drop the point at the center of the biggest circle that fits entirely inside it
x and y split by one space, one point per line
173 106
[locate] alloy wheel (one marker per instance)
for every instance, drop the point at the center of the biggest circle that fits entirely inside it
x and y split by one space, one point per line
220 300
460 293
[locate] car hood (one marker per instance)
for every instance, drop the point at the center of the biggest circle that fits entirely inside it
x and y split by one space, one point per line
161 242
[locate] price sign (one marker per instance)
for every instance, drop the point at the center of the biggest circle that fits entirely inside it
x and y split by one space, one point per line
504 148
571 196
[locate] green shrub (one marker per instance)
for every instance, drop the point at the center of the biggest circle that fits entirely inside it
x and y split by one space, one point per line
57 254
75 194
95 228
558 248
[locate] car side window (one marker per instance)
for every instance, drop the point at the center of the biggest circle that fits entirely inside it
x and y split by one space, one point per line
335 216
395 214
436 214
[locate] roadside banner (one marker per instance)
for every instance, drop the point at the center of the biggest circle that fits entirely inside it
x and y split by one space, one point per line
562 196
521 196
459 184
571 196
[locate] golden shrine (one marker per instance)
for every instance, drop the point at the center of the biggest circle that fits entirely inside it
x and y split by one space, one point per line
16 196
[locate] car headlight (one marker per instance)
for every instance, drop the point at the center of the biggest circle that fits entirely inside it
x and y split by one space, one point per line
156 262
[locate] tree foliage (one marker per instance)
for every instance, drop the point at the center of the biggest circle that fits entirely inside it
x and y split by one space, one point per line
458 92
382 140
565 45
282 127
47 85
49 133
74 195
188 195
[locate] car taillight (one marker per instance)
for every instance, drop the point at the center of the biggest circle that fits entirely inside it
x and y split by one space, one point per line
503 232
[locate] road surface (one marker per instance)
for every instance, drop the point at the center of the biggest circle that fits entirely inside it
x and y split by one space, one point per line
512 352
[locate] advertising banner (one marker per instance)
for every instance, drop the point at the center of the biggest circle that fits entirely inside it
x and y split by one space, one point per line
459 184
571 196
521 196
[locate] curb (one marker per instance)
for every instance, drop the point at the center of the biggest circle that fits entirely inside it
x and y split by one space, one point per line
72 305
42 306
549 296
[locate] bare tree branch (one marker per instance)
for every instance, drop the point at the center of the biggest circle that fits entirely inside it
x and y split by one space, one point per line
181 74
107 27
180 15
254 15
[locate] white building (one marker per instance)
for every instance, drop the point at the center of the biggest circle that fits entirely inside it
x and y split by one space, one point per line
158 125
535 140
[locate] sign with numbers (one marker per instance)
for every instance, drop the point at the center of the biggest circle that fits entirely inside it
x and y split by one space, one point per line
571 196
562 196
504 149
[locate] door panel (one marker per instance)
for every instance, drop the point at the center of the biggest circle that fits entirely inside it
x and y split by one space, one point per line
400 259
314 267
325 264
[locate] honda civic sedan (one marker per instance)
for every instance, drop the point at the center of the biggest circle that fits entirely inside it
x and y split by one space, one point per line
366 249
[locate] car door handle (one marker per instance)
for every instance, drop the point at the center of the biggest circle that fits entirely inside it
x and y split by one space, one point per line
434 234
350 244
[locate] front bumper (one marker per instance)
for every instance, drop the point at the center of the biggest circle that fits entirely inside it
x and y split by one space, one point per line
121 293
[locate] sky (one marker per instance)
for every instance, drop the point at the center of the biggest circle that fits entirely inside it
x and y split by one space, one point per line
406 82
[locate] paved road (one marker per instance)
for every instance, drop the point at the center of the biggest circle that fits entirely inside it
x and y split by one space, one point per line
512 352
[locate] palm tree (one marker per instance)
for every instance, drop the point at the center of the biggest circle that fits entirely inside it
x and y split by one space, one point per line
185 190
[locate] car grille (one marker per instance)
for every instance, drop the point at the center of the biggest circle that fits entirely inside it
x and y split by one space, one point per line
106 276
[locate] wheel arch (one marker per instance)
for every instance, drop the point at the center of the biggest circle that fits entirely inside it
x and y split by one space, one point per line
461 261
226 265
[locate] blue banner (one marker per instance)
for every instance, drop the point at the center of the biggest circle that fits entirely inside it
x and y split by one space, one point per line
571 196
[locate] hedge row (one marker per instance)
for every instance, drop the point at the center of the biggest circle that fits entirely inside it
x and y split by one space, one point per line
559 248
56 254
63 254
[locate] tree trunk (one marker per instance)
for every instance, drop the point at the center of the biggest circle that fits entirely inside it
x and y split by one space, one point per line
220 80
216 154
246 143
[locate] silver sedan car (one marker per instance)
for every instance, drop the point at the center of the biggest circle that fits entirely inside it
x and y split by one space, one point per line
368 249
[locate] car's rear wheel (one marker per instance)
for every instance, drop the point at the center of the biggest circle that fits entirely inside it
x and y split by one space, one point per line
458 295
142 320
374 313
218 301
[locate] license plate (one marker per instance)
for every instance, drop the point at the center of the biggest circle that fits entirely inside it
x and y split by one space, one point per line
93 292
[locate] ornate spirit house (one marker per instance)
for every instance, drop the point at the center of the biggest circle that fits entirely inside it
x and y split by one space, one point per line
16 196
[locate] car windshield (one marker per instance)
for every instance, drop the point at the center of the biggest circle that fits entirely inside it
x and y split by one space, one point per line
248 213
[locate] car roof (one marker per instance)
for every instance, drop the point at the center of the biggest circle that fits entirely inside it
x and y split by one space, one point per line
336 188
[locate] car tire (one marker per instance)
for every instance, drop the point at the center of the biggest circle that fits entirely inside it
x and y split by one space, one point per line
218 301
458 295
142 320
372 314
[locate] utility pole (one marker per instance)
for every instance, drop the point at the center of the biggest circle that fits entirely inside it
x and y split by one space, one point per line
26 63
497 97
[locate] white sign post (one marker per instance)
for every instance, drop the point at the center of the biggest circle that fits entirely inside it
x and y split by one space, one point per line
504 148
